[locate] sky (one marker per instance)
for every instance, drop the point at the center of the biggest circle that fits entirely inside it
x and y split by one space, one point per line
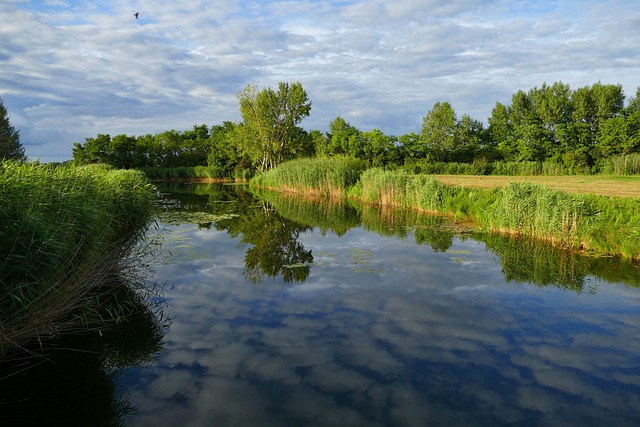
74 69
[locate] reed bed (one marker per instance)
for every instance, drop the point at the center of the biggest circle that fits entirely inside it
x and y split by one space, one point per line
185 173
488 168
320 176
596 224
622 165
64 232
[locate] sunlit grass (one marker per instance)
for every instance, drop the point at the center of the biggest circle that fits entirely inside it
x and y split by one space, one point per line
318 176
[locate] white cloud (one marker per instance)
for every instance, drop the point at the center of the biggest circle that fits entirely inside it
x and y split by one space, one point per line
74 69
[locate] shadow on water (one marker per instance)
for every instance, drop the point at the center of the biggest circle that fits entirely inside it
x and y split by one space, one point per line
71 380
270 225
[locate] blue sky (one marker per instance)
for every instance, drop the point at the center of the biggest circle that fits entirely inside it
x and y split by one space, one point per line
73 69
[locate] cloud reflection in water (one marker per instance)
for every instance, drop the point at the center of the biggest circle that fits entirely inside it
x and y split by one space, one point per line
415 338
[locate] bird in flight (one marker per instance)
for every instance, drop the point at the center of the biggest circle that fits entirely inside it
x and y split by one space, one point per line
136 14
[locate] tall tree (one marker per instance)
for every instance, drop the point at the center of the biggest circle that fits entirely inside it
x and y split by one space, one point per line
271 118
10 146
438 131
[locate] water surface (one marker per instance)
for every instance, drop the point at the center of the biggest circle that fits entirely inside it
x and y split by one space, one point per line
286 313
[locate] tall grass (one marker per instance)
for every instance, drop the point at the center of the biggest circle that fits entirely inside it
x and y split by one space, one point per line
540 212
600 225
64 231
488 168
185 173
594 224
622 165
319 176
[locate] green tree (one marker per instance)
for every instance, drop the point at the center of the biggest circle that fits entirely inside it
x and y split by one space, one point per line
94 150
343 138
633 103
10 146
270 119
469 138
438 131
377 147
121 151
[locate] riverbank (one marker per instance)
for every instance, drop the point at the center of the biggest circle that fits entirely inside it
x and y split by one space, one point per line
592 224
70 238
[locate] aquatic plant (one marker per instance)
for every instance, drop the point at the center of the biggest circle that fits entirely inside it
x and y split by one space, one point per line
319 176
65 232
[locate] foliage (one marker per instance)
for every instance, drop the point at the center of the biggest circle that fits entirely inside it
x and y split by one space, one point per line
10 146
269 133
166 149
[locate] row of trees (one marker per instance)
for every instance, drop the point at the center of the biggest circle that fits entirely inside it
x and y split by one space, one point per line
552 123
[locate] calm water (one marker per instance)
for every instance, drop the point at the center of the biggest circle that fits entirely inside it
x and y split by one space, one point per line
287 313
290 313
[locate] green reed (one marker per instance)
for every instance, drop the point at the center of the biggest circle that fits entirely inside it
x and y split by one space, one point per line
185 173
622 165
63 231
480 167
318 176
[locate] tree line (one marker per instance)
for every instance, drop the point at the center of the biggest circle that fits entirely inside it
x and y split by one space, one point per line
552 123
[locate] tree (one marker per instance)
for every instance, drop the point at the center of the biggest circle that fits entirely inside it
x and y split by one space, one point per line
94 150
343 138
438 131
10 146
270 119
469 138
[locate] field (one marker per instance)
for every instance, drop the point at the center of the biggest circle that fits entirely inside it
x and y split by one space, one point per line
603 185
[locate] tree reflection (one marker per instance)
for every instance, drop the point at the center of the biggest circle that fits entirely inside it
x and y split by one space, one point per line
269 225
275 249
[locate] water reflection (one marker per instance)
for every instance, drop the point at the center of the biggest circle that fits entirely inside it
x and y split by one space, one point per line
413 324
71 380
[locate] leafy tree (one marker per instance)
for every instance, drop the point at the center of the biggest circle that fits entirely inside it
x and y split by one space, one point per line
196 146
225 153
438 131
377 147
343 138
94 150
270 119
121 151
320 142
469 138
633 104
410 147
10 146
620 135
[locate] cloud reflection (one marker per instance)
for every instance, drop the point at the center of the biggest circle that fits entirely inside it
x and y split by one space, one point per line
418 339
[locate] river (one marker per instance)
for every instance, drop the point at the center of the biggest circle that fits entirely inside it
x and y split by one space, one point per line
286 312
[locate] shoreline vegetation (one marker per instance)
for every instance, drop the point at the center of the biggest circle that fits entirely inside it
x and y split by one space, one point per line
71 242
591 224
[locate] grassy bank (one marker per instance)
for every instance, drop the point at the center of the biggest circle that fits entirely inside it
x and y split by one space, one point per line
66 235
195 173
318 176
598 225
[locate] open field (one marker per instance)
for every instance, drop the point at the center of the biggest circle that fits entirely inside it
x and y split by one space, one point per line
603 185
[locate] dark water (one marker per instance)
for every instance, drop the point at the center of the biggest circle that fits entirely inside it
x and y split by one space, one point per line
292 313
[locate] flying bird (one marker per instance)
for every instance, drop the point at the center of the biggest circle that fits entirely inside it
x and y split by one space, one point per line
136 14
